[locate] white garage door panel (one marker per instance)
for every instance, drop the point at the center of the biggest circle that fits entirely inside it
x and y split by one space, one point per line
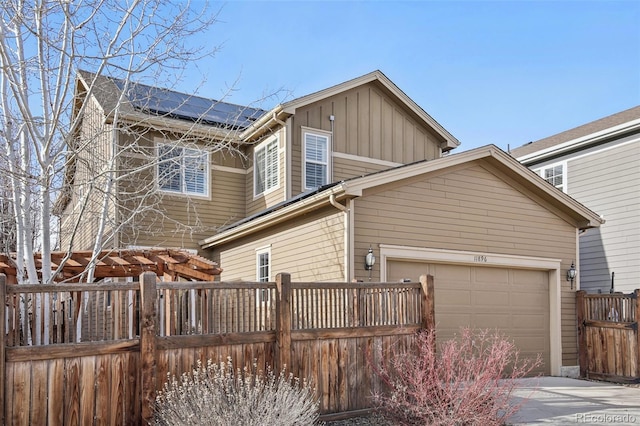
516 301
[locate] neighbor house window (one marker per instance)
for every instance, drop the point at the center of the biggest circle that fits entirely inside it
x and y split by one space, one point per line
183 170
263 271
554 174
316 170
265 167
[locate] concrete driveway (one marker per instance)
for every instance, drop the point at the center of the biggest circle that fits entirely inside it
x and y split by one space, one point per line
563 401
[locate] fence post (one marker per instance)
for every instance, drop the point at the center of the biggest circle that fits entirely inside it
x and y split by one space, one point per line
283 321
428 302
583 358
148 379
3 334
637 295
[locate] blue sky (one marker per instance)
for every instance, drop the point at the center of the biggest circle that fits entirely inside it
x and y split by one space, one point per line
504 72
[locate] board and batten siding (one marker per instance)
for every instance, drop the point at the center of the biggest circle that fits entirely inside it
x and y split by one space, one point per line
367 123
467 208
272 197
607 181
310 248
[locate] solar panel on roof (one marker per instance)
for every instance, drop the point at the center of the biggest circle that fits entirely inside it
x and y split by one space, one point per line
188 107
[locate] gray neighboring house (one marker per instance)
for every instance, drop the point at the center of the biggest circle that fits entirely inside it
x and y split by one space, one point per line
598 164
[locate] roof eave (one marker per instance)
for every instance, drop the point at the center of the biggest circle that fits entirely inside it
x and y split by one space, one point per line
264 124
286 213
357 186
587 218
175 125
450 142
584 218
573 144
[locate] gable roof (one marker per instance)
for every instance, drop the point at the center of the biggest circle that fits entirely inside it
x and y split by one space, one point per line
577 137
144 101
282 111
580 215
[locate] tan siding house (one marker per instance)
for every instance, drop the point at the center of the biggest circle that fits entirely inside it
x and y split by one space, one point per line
357 127
367 127
311 185
83 205
319 234
468 210
497 239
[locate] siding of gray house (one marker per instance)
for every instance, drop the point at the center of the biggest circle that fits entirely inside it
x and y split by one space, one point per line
602 171
606 179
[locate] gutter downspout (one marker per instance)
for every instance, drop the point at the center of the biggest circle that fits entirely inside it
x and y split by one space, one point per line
347 242
288 147
337 205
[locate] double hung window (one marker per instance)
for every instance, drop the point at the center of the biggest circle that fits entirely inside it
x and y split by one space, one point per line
554 174
316 170
183 170
265 167
263 271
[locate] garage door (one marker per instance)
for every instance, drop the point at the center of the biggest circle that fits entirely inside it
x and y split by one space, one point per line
516 301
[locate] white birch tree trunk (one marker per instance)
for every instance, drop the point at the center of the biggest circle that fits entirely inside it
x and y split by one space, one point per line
43 46
40 54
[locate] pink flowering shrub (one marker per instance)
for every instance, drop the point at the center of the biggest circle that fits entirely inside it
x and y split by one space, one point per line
469 380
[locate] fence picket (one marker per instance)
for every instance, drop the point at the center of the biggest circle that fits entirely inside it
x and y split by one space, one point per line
608 342
112 343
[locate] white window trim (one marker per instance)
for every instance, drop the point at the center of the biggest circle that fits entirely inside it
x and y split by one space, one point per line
260 251
262 146
322 133
540 172
183 193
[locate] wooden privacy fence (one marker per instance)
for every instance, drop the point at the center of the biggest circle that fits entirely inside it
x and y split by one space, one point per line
99 353
609 343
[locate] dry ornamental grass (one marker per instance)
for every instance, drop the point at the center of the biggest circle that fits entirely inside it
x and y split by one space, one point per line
218 395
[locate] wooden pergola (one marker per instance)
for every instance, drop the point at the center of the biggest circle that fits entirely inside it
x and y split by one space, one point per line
170 264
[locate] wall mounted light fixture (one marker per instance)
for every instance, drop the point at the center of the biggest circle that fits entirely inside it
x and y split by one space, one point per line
571 273
369 261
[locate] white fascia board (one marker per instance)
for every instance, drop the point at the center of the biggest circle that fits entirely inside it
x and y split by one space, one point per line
578 142
286 213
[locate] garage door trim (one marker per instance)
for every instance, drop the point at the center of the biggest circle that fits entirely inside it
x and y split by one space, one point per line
479 259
